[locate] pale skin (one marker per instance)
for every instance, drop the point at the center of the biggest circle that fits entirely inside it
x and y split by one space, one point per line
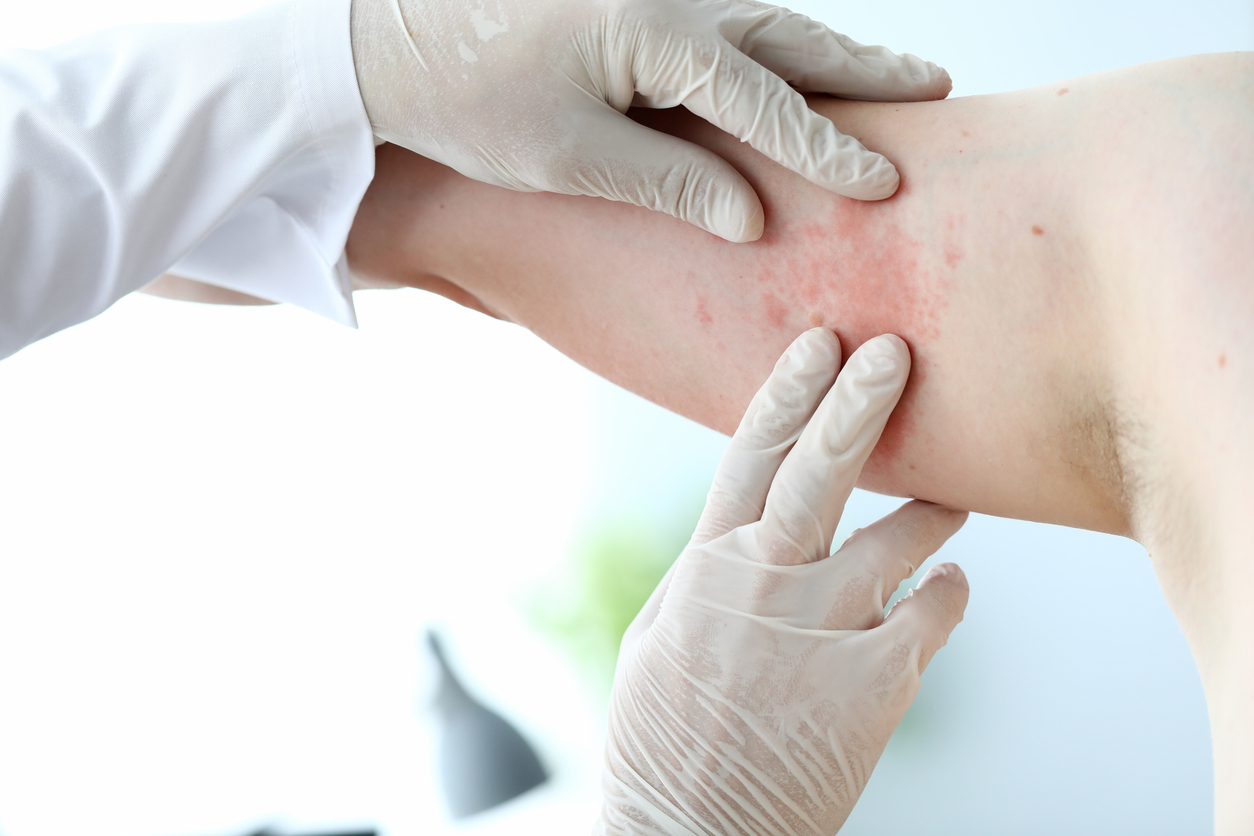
1072 267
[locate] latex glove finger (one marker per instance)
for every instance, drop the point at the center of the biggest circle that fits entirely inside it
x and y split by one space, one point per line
625 161
812 485
815 59
925 618
722 85
771 425
882 555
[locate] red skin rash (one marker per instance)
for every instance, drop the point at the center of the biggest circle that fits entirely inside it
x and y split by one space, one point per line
861 253
1000 318
695 323
853 267
703 315
848 262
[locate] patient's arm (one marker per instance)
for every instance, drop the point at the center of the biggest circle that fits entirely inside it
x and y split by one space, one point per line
1004 260
982 262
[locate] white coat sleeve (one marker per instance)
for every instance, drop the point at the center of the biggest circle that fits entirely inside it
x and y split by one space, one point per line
235 151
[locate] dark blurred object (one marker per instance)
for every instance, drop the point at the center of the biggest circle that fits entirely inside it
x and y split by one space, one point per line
484 761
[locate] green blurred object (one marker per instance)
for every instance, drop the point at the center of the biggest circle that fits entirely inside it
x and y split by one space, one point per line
614 566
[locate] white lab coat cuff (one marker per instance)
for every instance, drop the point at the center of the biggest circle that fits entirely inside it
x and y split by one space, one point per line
285 243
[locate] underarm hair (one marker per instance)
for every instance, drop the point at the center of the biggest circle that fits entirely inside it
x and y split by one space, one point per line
1093 443
1163 513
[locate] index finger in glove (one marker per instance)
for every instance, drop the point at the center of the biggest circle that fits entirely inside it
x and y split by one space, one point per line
815 59
771 425
812 485
720 84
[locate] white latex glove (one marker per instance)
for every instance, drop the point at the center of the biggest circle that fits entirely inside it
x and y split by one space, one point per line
531 95
759 685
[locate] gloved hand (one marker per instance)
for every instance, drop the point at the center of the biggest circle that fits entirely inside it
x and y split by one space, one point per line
759 685
530 95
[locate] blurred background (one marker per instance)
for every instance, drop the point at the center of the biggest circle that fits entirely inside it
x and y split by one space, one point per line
226 531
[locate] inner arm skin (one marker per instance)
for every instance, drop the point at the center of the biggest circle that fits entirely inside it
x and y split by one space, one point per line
1072 267
977 262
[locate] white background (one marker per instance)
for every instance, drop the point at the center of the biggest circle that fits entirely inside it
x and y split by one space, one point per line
224 530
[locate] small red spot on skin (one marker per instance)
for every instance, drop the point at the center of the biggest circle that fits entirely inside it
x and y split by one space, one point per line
964 133
1036 230
703 315
951 249
1223 359
1064 91
775 310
